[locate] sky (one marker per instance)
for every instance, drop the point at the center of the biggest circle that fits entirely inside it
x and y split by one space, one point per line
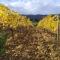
33 6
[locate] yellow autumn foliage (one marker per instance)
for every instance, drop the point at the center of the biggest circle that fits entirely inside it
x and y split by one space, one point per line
49 22
12 19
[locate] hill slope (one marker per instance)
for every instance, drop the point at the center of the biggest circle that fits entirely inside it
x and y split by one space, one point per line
12 19
50 22
29 43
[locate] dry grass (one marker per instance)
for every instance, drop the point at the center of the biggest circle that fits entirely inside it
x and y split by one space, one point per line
29 43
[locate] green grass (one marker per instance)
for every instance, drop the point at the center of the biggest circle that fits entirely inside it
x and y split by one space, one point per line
3 37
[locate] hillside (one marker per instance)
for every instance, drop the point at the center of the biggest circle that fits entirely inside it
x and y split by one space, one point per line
12 19
20 39
50 22
35 18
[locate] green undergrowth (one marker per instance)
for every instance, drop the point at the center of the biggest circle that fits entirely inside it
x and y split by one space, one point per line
3 37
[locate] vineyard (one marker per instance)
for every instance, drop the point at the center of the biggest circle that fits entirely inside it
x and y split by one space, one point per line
20 38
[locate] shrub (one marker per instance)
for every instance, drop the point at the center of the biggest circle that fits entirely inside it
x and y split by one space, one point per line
3 37
9 18
49 22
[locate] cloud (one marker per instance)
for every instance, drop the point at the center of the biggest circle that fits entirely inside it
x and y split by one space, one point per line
33 6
